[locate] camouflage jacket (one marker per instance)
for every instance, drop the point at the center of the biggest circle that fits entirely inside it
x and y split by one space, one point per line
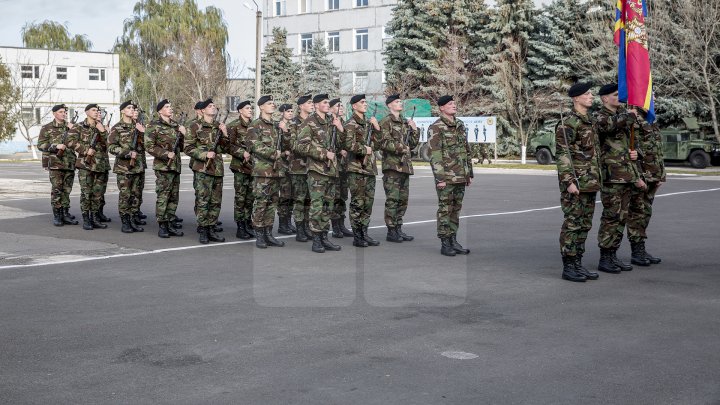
613 129
298 163
188 124
314 141
449 151
264 146
160 138
583 149
80 138
238 142
356 130
120 140
650 151
392 140
198 142
51 135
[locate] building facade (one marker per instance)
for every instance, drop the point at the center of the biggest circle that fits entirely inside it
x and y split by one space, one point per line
45 78
353 31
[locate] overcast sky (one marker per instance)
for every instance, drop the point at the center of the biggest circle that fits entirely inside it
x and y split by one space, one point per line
103 22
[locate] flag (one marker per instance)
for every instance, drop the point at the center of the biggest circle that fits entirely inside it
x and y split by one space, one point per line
634 76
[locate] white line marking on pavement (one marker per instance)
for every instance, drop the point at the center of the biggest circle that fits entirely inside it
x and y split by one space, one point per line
238 242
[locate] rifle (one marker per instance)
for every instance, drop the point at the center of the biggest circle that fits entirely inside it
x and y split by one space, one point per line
216 141
567 145
179 136
409 131
74 119
278 146
93 144
333 140
109 120
368 138
134 143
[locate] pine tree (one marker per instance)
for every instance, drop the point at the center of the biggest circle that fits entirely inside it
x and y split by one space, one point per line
280 75
319 70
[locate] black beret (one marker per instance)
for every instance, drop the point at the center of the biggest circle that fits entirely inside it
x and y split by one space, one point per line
264 99
125 104
89 106
161 104
135 105
392 98
243 104
59 107
198 105
334 101
285 107
608 89
320 97
358 97
444 100
203 104
578 89
304 99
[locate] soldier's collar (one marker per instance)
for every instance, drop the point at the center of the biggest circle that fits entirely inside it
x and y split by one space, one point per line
399 117
360 119
449 123
321 120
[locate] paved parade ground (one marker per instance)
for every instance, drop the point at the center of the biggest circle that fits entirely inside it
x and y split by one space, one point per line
105 317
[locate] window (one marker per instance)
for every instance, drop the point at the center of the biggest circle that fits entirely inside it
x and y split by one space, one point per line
333 41
360 82
333 4
280 8
305 6
30 72
61 73
361 3
361 39
384 77
232 102
31 116
97 74
305 43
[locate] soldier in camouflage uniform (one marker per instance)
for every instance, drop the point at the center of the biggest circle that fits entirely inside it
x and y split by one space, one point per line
578 165
208 170
164 140
450 159
60 163
652 170
268 170
89 140
397 166
619 176
241 166
361 169
139 217
318 143
297 171
105 176
285 204
337 218
125 144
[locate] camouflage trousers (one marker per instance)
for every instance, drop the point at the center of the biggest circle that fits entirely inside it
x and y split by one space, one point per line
167 188
397 193
266 191
129 196
243 207
615 200
301 198
640 211
141 187
362 196
61 184
285 203
578 211
322 198
341 195
91 190
103 180
208 198
450 200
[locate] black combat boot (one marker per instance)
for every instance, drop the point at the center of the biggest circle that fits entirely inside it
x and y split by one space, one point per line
619 263
651 258
457 246
163 232
125 224
366 237
216 227
100 215
606 263
260 240
580 269
343 228
95 221
403 235
66 210
141 215
283 227
67 218
570 272
290 224
241 232
137 220
57 216
637 257
249 227
301 236
135 227
317 245
214 237
177 219
204 239
87 222
172 230
336 232
327 244
446 248
393 235
271 241
358 240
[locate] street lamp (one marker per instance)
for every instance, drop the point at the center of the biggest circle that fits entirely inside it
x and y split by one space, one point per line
258 44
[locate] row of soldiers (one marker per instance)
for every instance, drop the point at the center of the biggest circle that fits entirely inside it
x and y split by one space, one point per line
618 153
303 166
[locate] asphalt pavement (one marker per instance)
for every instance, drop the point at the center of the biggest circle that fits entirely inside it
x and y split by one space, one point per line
104 317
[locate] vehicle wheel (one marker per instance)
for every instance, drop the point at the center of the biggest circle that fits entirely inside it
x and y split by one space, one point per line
425 152
699 159
543 156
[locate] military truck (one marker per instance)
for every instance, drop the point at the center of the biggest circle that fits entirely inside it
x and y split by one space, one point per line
679 145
